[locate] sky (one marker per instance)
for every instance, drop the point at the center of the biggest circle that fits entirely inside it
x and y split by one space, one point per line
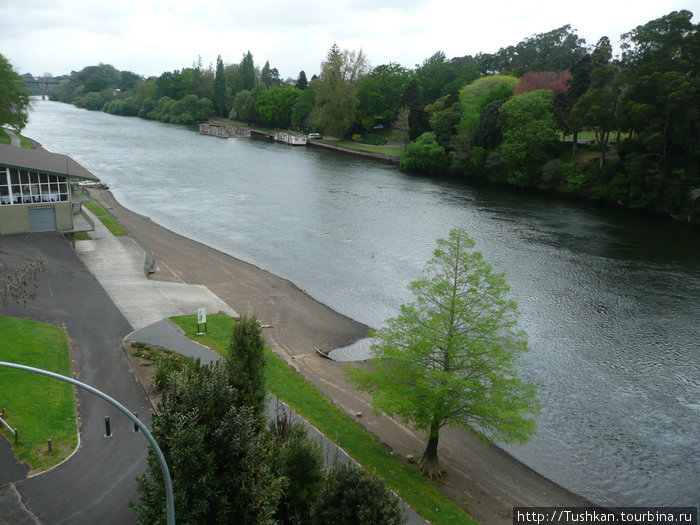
149 37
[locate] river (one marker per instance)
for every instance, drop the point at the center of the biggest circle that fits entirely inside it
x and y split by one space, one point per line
610 299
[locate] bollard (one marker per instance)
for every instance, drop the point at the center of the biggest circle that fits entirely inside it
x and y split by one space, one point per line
3 412
50 444
136 427
108 430
16 436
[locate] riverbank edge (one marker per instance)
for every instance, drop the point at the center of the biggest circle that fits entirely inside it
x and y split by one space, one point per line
487 484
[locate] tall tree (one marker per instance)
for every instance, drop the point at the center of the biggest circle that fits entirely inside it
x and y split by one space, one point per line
449 357
599 108
221 105
265 75
302 83
246 73
418 122
336 101
13 99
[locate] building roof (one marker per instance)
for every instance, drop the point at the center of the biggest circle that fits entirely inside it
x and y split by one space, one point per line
43 161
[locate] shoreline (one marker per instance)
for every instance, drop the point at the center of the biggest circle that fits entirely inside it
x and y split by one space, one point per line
481 478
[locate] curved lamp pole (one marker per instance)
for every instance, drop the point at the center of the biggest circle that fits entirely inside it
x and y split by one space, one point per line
170 505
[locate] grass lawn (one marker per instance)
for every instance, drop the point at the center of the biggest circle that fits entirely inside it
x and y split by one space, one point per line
112 225
41 407
292 388
389 150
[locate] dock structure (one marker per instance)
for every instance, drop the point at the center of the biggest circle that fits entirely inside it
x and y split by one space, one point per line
224 132
292 139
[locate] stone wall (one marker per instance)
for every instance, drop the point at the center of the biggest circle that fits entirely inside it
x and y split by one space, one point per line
225 132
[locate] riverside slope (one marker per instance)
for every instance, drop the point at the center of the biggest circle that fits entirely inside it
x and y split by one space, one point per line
481 478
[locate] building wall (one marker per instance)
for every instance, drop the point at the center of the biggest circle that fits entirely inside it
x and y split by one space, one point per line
15 219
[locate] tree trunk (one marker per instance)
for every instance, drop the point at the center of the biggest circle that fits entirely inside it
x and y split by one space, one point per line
429 464
604 135
574 148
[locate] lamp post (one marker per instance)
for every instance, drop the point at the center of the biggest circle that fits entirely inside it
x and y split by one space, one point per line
170 504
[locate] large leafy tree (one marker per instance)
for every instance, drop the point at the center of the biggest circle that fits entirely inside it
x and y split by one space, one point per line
336 100
13 99
529 135
438 76
661 60
379 94
555 50
275 106
599 108
449 357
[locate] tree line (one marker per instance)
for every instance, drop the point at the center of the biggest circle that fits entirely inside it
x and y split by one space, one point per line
549 113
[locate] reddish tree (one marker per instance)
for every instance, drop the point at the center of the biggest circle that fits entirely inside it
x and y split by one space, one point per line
532 80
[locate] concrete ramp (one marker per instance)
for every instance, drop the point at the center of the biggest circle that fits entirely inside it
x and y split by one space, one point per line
118 264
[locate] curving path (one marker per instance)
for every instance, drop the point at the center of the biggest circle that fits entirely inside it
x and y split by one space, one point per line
96 484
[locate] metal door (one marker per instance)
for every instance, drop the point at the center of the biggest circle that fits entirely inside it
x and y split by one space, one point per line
42 219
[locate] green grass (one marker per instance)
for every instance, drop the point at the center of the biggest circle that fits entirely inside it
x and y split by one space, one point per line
111 224
41 408
365 147
308 402
4 137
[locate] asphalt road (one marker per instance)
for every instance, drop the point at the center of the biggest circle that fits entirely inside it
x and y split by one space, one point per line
97 482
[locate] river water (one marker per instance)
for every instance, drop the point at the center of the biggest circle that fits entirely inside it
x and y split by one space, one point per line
610 299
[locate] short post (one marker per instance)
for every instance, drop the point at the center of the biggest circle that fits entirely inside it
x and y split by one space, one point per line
50 444
108 430
16 436
136 427
3 412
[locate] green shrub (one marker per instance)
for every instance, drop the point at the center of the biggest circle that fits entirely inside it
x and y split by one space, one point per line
425 154
374 139
352 495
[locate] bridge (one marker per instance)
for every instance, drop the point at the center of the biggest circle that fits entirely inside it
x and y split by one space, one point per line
43 84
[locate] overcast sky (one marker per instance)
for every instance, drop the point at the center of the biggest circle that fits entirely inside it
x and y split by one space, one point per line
149 37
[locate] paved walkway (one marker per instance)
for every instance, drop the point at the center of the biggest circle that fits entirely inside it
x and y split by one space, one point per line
14 139
118 264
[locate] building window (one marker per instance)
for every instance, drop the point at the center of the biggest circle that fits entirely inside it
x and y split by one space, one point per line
27 187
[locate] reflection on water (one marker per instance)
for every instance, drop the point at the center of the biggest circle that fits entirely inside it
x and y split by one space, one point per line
610 299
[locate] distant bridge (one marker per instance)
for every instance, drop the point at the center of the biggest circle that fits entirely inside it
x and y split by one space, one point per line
43 84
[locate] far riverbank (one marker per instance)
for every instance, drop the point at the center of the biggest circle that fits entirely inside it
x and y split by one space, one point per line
482 478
